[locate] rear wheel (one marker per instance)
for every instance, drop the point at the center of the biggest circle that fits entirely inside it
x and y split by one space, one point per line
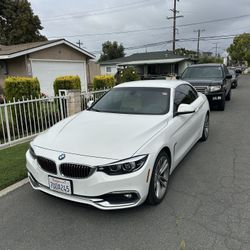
205 131
159 179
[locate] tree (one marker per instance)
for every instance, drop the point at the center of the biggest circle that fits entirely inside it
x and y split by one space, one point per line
239 50
18 24
185 52
111 50
210 59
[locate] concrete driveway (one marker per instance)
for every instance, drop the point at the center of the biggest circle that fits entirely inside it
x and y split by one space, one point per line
207 205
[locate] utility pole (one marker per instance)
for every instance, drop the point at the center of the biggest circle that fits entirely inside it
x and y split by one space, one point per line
175 11
216 49
79 43
198 41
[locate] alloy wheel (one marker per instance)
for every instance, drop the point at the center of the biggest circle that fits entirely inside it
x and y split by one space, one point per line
161 177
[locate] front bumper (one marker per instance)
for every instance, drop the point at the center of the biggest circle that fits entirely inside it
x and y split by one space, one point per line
99 190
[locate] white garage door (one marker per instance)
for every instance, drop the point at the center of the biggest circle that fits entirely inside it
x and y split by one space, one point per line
48 71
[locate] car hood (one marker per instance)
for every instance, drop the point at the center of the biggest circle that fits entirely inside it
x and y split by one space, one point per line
204 82
107 135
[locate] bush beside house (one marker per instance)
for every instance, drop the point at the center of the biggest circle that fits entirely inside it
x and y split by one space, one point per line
21 87
66 82
101 82
127 74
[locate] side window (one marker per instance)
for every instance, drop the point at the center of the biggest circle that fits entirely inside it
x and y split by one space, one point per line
184 94
226 70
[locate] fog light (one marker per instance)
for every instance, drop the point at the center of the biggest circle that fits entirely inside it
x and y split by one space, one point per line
128 196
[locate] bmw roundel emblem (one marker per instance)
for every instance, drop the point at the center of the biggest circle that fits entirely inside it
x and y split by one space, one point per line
61 157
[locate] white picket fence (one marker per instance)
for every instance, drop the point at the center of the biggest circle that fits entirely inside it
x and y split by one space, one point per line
21 120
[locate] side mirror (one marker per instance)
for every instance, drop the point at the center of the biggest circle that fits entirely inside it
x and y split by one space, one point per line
178 77
184 109
228 76
89 104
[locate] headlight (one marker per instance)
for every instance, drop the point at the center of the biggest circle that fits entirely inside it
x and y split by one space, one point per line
214 88
32 152
125 166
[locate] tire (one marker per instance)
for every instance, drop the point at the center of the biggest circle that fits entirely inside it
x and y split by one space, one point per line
205 131
222 103
159 179
228 97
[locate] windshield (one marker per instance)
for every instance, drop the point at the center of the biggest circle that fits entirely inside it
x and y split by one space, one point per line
202 72
134 100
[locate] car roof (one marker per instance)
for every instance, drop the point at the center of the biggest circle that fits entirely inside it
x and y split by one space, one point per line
205 65
153 84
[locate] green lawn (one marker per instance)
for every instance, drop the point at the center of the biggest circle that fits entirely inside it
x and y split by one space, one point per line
12 164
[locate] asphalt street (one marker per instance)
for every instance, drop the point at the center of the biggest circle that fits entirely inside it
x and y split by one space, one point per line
207 205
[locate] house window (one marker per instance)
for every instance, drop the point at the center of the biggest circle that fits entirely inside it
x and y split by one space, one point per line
108 69
3 68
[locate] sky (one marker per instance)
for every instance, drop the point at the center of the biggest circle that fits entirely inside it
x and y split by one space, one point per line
136 23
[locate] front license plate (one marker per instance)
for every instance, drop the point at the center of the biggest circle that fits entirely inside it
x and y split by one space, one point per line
60 185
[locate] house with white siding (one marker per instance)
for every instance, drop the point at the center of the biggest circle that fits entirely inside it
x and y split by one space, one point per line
149 65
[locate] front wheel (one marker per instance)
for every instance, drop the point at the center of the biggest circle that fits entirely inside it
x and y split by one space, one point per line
205 131
159 179
228 97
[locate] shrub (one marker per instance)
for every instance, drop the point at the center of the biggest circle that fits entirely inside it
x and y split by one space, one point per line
101 82
19 87
66 82
127 75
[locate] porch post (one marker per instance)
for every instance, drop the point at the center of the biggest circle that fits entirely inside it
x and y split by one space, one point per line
74 101
145 70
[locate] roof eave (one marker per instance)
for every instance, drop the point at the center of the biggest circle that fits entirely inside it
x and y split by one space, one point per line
159 61
49 45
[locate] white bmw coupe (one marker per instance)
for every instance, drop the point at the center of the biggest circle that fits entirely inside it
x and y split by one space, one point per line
122 150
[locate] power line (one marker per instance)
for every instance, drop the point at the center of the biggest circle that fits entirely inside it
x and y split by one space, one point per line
99 11
114 33
207 38
215 20
150 28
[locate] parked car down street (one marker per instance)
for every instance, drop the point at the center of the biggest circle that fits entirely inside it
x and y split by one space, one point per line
213 80
121 151
234 80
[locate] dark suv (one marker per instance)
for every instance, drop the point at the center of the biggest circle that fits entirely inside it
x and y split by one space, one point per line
212 80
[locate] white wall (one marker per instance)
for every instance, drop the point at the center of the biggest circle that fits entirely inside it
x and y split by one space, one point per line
108 69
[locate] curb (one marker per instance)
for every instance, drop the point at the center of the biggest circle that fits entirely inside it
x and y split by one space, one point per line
13 187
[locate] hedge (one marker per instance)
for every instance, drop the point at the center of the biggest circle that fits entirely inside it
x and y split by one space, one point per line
101 82
19 87
66 82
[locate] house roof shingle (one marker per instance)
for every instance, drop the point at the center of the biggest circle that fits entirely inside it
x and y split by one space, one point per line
11 50
157 55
